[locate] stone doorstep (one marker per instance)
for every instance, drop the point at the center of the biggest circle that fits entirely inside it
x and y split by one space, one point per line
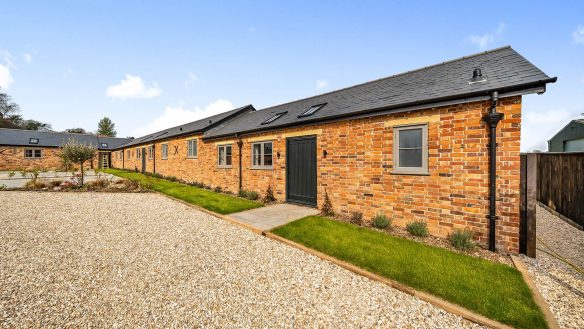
438 302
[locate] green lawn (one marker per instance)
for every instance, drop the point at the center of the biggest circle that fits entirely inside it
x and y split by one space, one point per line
217 202
494 290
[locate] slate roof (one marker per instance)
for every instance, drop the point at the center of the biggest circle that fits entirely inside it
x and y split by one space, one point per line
191 127
18 137
504 69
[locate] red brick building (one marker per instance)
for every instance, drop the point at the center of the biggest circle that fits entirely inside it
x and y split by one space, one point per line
31 149
440 144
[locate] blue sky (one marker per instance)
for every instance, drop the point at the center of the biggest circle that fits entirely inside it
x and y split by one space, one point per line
150 65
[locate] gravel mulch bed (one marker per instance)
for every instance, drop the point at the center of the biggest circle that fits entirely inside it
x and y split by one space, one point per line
561 286
105 260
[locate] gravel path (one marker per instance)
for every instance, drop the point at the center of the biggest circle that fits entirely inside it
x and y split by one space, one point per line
561 286
110 260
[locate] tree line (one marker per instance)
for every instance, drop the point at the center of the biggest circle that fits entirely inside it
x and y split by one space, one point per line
10 117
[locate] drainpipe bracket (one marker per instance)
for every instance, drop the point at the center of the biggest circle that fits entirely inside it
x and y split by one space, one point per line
493 118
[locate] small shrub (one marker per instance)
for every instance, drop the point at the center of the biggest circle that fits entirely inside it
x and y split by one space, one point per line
269 197
417 228
172 178
250 195
327 206
2 187
381 221
356 218
132 184
11 174
462 240
100 183
217 189
35 184
147 185
55 183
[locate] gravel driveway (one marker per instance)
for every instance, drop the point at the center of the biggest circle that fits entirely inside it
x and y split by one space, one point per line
79 259
561 286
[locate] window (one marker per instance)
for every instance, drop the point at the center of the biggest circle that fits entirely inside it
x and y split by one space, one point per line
104 145
33 141
32 153
150 152
261 154
192 148
312 110
138 153
410 149
164 151
224 156
273 118
128 155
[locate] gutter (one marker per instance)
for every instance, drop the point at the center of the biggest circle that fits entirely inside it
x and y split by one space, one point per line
532 87
493 118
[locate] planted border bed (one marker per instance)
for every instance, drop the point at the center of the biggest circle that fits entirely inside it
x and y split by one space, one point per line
494 290
217 202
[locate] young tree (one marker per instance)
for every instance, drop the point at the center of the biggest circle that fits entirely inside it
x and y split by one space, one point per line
106 127
74 152
35 125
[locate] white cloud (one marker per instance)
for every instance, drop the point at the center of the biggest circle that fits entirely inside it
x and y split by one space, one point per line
174 116
27 58
6 78
133 87
321 84
486 40
578 35
191 79
538 127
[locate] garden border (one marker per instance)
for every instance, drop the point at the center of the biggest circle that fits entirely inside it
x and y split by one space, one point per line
537 296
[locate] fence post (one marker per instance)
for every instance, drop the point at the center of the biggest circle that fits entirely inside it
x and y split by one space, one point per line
531 182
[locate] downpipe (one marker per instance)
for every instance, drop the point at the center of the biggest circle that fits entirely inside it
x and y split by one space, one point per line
492 119
239 146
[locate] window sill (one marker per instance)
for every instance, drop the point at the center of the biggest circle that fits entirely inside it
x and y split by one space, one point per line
192 158
32 158
262 168
409 173
224 167
163 158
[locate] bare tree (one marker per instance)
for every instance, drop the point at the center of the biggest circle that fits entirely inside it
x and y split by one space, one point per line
7 106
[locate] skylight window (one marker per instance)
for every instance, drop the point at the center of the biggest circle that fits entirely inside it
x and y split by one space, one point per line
273 118
311 110
104 145
33 141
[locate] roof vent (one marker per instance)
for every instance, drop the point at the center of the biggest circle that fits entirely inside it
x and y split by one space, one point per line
210 121
180 128
477 76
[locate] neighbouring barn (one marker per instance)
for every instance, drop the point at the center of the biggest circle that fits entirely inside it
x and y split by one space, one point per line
569 139
31 149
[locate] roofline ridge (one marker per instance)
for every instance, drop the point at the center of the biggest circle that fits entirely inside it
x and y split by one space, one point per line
395 75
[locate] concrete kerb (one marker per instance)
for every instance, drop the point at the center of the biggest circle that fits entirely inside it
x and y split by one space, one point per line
438 302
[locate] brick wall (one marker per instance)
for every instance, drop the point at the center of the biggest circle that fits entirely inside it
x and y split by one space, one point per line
357 169
12 158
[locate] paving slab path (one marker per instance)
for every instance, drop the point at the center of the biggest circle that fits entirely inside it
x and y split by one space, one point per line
143 260
271 216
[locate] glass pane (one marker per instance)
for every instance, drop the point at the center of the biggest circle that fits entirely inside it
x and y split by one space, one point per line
221 155
228 150
37 153
410 138
267 160
410 158
194 148
268 148
228 159
28 153
257 148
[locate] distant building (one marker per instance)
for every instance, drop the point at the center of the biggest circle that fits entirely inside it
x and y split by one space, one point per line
569 139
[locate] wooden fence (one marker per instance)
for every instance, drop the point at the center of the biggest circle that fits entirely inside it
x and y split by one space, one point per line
560 184
555 180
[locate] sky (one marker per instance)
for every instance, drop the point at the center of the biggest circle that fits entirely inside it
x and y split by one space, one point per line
150 65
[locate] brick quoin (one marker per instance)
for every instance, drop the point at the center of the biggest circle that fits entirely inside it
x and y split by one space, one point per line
357 170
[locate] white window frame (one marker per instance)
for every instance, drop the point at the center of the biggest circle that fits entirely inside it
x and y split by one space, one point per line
33 153
150 152
138 153
224 147
423 170
164 151
190 154
261 165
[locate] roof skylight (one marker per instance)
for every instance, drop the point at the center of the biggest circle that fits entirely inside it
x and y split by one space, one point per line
273 118
104 145
312 110
33 141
